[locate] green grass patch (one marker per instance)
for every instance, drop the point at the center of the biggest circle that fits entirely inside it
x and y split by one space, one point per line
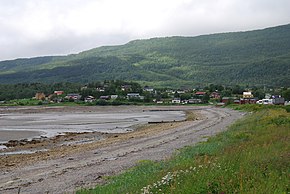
22 102
251 157
257 107
33 102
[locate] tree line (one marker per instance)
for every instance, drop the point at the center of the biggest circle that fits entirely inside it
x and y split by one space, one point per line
122 88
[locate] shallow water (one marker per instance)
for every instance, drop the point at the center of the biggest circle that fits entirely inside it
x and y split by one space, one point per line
21 152
18 126
2 147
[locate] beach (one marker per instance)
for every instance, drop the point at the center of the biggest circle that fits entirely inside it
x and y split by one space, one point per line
66 163
32 122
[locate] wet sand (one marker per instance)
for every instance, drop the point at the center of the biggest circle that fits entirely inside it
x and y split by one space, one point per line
17 124
17 135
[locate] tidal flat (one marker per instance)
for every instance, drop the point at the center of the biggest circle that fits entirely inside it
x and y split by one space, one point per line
35 122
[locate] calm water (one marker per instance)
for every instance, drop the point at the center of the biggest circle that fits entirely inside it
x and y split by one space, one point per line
26 126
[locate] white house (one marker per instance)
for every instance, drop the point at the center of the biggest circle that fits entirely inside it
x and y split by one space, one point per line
248 95
134 96
90 99
176 101
114 97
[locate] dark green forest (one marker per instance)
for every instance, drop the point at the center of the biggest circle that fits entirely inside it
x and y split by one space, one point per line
260 57
28 90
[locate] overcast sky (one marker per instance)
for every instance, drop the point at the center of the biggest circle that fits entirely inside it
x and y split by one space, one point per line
53 27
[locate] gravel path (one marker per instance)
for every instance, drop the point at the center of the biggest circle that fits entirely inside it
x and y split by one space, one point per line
86 166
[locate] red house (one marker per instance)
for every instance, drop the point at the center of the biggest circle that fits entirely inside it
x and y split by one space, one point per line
215 95
200 93
58 93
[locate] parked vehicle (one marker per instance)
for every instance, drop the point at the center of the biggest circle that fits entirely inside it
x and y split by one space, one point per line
267 101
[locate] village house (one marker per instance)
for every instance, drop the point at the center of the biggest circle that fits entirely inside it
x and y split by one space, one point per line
148 89
194 101
100 89
200 94
134 96
58 93
105 97
90 99
215 95
55 97
184 101
84 87
248 95
40 96
126 87
248 101
176 101
180 91
73 96
248 98
228 99
114 97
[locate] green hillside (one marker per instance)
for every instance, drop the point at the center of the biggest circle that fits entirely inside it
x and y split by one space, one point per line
260 57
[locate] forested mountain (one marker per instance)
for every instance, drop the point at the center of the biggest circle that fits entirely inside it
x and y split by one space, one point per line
260 57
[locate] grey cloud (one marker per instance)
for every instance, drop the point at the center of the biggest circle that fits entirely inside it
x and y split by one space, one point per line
188 19
62 45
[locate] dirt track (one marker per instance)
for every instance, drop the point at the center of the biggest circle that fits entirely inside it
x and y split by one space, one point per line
63 169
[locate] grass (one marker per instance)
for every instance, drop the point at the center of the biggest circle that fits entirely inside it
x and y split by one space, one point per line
251 157
33 102
22 102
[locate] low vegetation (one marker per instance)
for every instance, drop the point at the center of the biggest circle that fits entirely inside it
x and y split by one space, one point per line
251 157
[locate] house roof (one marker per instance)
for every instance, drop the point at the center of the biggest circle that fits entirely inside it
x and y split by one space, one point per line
104 97
200 93
73 94
226 98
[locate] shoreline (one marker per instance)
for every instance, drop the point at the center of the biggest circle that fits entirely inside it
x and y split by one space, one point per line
83 165
6 135
38 123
